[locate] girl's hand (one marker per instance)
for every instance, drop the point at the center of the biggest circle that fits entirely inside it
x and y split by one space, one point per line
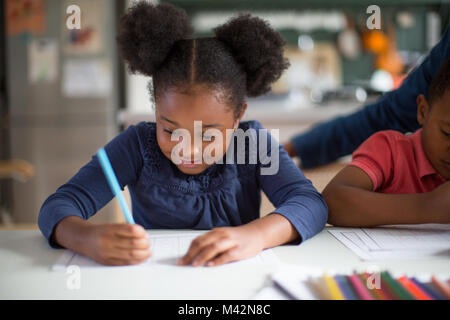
223 245
118 244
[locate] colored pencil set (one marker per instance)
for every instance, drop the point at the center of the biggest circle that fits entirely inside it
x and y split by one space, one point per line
378 286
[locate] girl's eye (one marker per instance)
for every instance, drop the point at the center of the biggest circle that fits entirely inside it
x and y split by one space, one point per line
168 131
208 138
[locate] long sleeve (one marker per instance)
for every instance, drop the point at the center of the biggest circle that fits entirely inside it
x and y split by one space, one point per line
396 110
292 194
88 191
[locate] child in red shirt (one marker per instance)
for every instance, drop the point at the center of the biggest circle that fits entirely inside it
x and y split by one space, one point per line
400 179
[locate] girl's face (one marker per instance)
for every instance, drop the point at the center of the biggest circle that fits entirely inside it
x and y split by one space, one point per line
177 110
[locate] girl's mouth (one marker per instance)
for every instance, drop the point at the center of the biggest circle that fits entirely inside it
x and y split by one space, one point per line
189 164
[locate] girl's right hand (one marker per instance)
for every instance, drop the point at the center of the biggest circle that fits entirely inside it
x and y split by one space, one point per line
118 244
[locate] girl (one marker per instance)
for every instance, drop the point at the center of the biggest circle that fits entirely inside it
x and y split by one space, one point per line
205 80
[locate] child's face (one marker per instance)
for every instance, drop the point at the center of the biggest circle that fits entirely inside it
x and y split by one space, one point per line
435 121
176 110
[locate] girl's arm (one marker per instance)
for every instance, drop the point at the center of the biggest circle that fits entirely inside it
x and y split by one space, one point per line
88 190
63 215
352 203
109 244
300 213
227 244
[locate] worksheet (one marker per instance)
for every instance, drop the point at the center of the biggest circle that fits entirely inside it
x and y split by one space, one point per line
397 241
166 250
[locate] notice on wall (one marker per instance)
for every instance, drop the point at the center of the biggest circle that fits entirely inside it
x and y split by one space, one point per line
88 39
42 60
25 16
84 78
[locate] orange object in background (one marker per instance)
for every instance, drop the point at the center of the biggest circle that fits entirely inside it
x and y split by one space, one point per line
390 61
387 58
375 41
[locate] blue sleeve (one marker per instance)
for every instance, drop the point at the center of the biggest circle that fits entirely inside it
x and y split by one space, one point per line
396 110
291 193
88 191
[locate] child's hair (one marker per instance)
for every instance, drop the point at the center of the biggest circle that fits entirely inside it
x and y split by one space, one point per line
243 59
440 83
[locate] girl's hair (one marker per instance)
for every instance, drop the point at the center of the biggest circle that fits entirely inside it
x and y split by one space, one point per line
243 59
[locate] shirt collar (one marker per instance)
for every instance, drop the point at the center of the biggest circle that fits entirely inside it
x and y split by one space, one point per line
423 164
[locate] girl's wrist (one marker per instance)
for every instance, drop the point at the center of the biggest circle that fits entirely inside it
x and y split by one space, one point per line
257 232
73 233
271 228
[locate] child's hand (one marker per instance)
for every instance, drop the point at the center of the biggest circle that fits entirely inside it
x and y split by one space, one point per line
439 203
223 245
119 244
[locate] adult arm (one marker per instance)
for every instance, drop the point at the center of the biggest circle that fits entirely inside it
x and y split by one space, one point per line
396 110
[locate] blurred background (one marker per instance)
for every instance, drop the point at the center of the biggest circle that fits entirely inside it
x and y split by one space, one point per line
65 93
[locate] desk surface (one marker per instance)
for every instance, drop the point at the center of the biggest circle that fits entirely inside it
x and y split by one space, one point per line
26 259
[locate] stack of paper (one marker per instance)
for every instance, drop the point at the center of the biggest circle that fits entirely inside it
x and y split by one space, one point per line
396 242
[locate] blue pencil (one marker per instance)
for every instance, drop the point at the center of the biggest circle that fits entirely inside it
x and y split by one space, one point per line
114 184
428 289
346 287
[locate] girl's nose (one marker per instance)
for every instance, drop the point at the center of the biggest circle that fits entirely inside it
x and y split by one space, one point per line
196 153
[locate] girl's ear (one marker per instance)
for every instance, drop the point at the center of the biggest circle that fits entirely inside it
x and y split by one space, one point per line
423 108
236 122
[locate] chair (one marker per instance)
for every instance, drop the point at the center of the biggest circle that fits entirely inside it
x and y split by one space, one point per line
16 169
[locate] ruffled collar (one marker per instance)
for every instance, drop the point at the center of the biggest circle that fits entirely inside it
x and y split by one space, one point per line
209 179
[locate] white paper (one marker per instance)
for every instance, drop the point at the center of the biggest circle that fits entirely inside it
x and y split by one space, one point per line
293 280
86 78
166 250
396 242
42 60
270 293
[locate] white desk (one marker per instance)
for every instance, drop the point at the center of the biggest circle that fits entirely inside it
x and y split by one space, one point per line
26 258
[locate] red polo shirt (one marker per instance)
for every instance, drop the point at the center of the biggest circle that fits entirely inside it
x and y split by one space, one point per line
396 163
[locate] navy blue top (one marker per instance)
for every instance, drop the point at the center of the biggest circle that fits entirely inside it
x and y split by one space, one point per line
396 110
164 197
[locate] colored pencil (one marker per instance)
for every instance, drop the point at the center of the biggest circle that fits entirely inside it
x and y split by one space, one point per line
114 184
346 287
332 287
413 289
396 288
432 290
319 288
378 293
360 287
442 286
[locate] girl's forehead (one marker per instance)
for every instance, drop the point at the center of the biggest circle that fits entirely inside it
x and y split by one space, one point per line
196 105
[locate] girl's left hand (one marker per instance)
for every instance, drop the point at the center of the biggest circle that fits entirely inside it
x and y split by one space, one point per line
223 245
